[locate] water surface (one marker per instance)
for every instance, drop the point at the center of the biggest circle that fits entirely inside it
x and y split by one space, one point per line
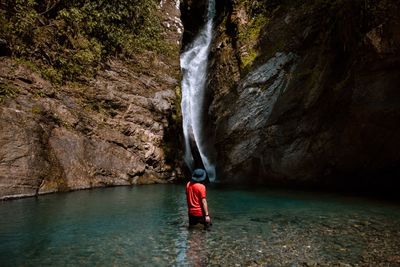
147 226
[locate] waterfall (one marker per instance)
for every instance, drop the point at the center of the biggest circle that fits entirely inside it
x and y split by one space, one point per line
194 63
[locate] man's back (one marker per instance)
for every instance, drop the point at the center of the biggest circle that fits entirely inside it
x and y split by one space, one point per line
195 192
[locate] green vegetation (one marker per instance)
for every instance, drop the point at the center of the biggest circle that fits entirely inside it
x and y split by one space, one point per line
250 24
7 90
177 114
36 110
250 35
69 39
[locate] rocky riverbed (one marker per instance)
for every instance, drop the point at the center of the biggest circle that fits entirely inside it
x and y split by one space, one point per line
304 240
148 225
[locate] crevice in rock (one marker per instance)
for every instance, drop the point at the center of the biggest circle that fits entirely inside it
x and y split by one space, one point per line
192 17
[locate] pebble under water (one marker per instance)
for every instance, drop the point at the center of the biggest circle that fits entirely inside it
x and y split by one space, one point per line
147 226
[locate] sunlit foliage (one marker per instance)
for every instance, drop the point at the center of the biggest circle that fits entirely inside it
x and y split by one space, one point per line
68 39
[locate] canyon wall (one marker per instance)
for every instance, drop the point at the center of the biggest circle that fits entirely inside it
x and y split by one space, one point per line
298 93
120 127
307 93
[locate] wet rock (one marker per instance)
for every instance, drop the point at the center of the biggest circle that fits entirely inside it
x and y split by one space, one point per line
256 95
193 14
295 103
384 39
22 165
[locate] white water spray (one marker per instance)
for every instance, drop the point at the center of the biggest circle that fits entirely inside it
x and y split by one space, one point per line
194 68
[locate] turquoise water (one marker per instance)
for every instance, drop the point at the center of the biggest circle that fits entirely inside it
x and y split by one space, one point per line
147 226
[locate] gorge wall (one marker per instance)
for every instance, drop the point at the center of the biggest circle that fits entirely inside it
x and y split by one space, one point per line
307 93
118 128
299 93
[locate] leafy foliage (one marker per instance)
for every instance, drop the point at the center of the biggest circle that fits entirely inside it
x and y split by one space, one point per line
343 23
69 39
6 90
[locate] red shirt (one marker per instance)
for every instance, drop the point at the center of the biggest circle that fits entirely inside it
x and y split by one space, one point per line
195 192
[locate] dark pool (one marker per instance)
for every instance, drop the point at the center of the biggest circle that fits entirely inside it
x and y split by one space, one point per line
147 226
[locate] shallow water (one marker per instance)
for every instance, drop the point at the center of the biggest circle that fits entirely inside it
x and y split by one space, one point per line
147 226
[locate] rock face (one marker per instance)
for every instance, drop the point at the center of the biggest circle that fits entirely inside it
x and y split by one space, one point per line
307 93
118 129
193 17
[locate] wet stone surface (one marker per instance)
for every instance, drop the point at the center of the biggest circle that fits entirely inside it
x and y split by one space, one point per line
304 240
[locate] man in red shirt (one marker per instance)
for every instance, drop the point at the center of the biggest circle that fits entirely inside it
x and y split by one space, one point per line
196 199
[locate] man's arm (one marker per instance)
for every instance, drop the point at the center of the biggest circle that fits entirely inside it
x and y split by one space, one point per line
205 210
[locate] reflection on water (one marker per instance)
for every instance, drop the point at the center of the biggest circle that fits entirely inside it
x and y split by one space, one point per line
147 226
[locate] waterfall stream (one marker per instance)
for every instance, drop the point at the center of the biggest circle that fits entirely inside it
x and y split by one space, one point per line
194 63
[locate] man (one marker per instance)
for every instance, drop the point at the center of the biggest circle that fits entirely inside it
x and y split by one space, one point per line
196 199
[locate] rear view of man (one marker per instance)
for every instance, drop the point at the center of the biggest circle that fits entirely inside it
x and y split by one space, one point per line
196 199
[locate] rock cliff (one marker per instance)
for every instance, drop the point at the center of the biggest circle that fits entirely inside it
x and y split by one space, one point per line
300 93
119 128
307 92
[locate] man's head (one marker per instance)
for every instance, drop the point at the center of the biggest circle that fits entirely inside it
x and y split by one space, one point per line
199 176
